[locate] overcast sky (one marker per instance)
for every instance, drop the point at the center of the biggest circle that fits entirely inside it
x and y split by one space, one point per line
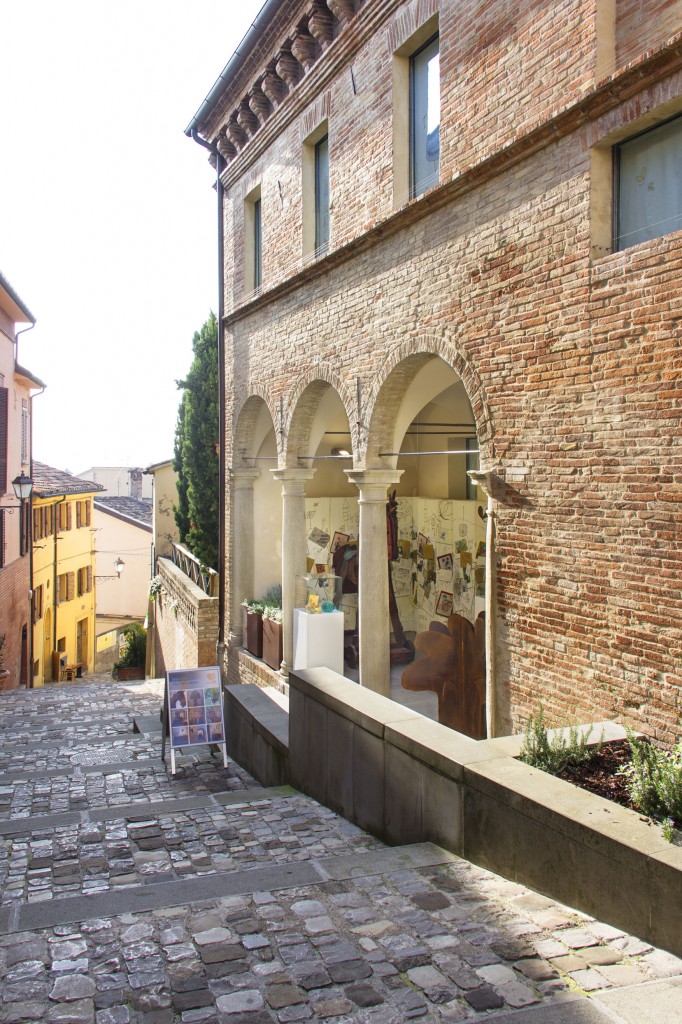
107 214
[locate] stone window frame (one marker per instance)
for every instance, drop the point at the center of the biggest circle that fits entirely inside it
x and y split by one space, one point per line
402 108
253 241
619 243
309 191
603 176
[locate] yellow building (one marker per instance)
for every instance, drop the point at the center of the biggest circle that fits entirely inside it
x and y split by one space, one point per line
63 574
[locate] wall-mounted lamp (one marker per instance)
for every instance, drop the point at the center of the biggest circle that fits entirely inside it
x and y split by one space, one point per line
23 487
119 565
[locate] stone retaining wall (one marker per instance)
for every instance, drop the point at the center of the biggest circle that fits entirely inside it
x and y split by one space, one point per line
186 622
408 780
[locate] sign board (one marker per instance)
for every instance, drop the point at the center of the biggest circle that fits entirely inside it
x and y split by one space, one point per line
193 710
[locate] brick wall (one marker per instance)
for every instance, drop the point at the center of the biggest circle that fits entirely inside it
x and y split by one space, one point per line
186 622
15 613
572 364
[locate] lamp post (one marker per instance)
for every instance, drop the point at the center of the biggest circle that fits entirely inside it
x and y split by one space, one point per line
23 488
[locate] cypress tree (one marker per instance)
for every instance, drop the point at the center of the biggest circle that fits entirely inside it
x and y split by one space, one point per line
195 456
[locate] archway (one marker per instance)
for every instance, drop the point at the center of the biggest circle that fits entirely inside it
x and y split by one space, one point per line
423 430
255 558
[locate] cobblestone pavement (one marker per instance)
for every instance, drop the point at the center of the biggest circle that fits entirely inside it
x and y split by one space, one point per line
130 897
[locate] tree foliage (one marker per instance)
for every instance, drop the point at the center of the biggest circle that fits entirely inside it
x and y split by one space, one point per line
195 456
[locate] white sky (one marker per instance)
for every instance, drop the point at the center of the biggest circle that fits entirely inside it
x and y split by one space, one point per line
107 215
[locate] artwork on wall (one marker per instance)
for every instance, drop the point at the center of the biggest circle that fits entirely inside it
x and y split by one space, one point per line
338 540
444 604
433 535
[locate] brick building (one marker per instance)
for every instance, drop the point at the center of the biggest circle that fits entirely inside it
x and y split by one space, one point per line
16 387
455 227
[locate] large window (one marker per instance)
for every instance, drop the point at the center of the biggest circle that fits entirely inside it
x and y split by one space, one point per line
322 194
253 242
424 117
648 187
257 246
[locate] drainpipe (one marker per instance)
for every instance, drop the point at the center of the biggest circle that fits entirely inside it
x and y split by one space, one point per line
220 164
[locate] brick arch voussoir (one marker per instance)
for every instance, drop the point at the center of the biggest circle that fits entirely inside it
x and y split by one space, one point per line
380 404
245 416
302 404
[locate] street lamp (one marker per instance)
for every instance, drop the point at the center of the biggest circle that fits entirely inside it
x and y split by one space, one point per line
23 486
119 565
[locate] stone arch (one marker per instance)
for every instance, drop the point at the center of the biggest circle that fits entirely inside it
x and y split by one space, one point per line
304 399
398 370
246 439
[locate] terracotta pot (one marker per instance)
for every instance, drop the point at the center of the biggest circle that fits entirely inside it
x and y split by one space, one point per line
253 633
272 643
126 675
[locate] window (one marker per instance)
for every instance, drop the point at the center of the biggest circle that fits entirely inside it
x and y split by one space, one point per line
38 603
65 587
84 580
416 113
2 537
82 513
424 118
253 242
322 194
648 185
315 182
24 431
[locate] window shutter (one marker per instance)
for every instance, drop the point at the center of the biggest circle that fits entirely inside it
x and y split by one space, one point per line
78 515
89 578
87 513
58 595
68 515
36 524
2 537
69 586
4 393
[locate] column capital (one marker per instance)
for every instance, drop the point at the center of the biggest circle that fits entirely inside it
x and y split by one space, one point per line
293 480
243 478
373 483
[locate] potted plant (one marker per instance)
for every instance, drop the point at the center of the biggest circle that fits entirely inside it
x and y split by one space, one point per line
133 647
272 637
4 672
253 627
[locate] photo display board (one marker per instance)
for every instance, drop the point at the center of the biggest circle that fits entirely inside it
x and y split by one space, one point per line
193 709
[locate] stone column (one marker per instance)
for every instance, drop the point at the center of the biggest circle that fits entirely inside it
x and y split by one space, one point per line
241 579
294 550
373 614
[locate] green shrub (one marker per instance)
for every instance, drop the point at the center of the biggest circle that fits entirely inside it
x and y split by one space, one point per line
133 648
272 598
555 755
655 779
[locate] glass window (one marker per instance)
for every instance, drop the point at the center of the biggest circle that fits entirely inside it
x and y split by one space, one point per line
322 193
649 185
257 247
424 117
472 464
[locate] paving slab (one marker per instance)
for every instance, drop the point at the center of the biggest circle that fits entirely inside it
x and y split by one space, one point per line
659 1001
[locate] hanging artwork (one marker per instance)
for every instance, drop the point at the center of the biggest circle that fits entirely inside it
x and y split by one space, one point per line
445 562
444 604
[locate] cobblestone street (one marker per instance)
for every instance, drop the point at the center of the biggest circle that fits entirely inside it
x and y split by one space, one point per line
132 896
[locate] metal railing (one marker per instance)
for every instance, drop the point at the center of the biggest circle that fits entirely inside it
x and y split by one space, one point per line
204 577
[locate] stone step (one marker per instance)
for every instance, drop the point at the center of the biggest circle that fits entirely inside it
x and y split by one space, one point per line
47 914
137 809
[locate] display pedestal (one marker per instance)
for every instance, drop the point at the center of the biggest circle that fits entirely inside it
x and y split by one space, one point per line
318 640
